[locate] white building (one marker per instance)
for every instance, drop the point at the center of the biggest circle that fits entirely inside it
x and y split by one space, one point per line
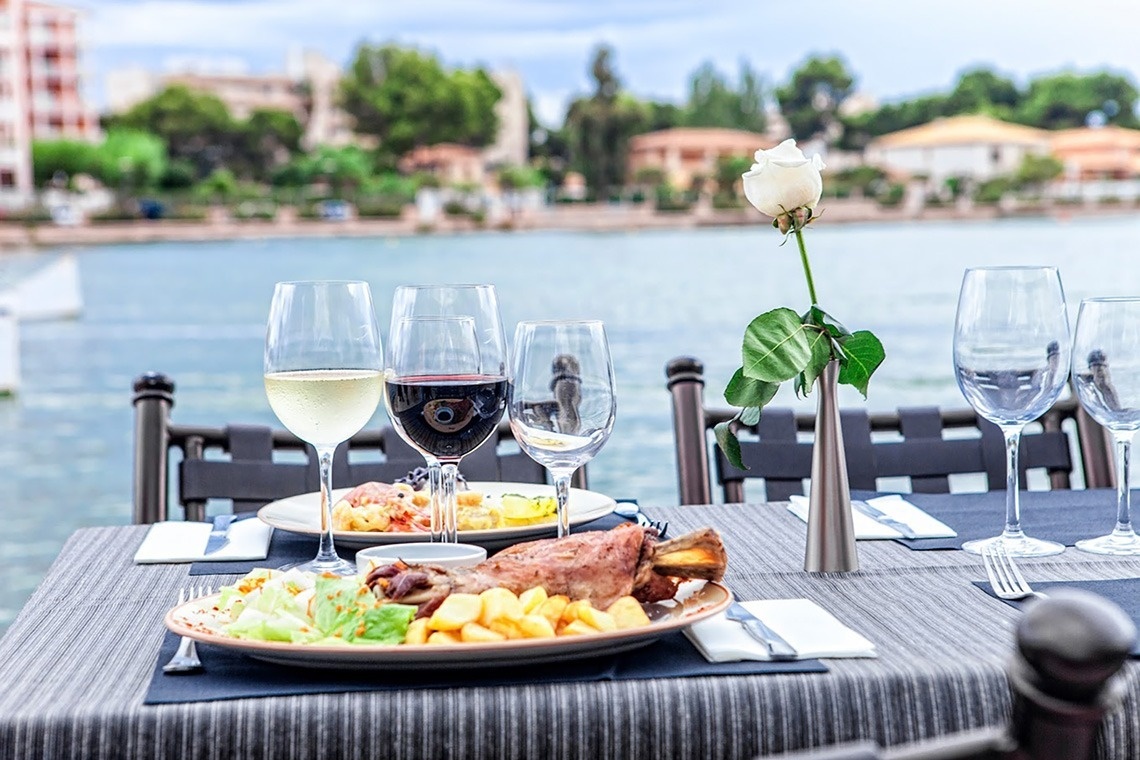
973 146
512 142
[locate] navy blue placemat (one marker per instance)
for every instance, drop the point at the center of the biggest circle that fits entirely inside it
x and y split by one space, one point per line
1062 516
290 548
229 675
1125 593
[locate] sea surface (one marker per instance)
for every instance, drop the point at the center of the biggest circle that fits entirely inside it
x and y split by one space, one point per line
196 311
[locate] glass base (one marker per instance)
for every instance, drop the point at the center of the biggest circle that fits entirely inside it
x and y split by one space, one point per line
1127 544
336 566
1021 546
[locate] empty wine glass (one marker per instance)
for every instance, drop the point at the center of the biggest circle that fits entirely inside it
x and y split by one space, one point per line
323 378
562 399
446 382
1011 357
1106 372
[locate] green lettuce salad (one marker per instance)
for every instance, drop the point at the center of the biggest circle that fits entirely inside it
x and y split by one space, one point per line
302 608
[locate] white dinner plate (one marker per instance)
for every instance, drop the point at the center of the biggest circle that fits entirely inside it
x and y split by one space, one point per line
695 601
301 514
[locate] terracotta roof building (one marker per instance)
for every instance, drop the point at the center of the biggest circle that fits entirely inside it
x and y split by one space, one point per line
453 164
974 146
1109 152
687 152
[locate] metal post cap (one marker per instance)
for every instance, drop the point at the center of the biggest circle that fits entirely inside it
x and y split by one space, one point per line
1073 643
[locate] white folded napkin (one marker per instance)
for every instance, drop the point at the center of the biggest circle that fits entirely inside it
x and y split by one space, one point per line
810 629
897 508
179 541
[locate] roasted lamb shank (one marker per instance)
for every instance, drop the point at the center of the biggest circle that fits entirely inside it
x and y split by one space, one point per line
596 565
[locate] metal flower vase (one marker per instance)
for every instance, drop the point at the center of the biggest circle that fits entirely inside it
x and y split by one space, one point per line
831 527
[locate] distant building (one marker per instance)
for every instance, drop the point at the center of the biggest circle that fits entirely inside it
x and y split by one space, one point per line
512 141
40 94
452 164
973 146
1088 153
687 152
309 93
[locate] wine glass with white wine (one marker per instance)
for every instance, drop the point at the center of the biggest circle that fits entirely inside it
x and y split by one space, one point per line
323 377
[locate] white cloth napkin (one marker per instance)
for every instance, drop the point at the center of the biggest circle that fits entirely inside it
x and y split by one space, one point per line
893 505
812 630
179 541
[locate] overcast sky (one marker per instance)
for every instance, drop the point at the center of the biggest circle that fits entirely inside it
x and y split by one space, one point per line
896 49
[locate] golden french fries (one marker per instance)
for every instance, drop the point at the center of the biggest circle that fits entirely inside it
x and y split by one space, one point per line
498 615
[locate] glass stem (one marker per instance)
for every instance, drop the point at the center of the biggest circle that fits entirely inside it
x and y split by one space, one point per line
562 495
447 502
1123 439
1012 485
327 552
435 486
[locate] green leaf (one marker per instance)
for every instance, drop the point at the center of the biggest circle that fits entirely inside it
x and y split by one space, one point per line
749 416
820 318
726 439
820 355
744 391
775 346
862 355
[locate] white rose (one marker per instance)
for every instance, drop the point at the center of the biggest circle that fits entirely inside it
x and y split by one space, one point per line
783 180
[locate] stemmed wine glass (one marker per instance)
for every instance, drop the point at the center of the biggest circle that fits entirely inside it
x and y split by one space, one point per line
1106 372
445 382
562 399
323 378
1011 356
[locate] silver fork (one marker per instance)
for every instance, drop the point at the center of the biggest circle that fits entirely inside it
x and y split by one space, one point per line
185 660
1005 577
630 510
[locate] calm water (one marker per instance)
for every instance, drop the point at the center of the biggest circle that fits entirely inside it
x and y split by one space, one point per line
197 312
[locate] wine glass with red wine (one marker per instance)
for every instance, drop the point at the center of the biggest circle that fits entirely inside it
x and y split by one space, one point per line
445 382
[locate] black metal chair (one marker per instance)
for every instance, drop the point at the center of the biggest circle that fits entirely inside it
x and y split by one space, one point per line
918 450
252 476
1064 676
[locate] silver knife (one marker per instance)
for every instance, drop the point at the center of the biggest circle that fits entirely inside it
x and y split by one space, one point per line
219 534
882 518
778 648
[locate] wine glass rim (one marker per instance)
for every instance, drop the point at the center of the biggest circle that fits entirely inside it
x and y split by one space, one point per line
323 282
1013 268
441 286
1112 299
561 322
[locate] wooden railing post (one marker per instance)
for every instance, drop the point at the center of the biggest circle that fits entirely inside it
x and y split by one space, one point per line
153 397
685 381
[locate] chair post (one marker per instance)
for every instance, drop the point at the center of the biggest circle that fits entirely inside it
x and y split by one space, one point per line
1097 457
685 381
153 398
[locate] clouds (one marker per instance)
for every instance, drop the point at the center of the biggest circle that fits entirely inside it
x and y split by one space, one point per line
895 48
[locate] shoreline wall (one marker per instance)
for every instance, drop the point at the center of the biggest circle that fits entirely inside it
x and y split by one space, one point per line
584 218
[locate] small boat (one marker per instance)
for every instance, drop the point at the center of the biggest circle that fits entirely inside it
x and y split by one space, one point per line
51 292
9 348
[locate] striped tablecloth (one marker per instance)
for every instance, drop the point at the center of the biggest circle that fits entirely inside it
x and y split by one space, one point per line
75 665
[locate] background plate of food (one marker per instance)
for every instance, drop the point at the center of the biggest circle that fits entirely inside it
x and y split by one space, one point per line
491 515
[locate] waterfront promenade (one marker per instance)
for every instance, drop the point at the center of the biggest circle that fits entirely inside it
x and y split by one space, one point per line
569 217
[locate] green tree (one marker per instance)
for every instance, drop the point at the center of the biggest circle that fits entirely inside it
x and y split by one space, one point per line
62 157
599 128
1036 171
810 100
405 98
714 102
982 90
1067 99
131 160
195 126
728 172
270 138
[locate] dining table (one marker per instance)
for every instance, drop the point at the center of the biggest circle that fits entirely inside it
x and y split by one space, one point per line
82 659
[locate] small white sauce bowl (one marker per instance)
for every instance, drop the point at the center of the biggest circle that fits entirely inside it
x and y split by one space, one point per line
420 553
